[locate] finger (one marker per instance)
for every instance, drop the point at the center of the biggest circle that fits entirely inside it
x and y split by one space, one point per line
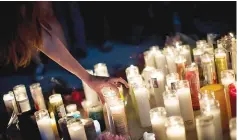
121 80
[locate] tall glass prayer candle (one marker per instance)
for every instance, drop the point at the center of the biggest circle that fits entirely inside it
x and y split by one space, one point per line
149 56
206 96
214 110
233 130
117 109
90 94
63 128
205 127
175 129
211 39
158 118
158 86
180 62
185 51
209 70
76 130
55 125
219 94
232 94
37 96
89 128
170 55
9 102
22 98
161 63
221 61
171 102
185 102
201 43
44 125
96 113
171 79
132 71
143 104
192 76
233 55
85 105
197 54
101 70
146 74
72 111
56 102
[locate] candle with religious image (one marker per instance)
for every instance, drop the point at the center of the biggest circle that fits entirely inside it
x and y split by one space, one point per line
146 74
205 127
232 94
171 102
158 119
101 70
233 130
170 54
197 54
171 79
220 61
180 62
175 129
10 103
37 96
192 76
185 51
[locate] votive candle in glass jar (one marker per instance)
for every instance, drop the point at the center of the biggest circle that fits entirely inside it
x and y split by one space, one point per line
233 130
146 74
205 127
206 96
89 128
197 54
76 130
158 119
233 55
37 96
63 127
175 129
72 111
170 54
22 98
192 76
180 62
10 103
56 102
149 56
161 62
185 103
101 70
171 80
44 124
185 51
132 71
221 61
232 94
171 102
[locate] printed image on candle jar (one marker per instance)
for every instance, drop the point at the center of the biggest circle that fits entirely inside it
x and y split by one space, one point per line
205 127
76 130
233 129
171 80
175 129
171 102
146 74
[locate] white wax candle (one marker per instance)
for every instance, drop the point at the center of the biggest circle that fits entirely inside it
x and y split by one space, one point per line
9 102
161 63
185 51
143 104
71 108
232 126
101 70
170 58
176 133
149 59
45 128
37 95
76 131
22 98
227 77
171 102
233 134
205 128
146 76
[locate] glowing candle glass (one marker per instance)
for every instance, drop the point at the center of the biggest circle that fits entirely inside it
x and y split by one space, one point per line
76 130
233 130
221 61
197 54
38 96
161 63
56 102
171 102
209 70
171 79
132 71
205 127
175 128
185 51
101 70
9 102
170 55
180 62
146 74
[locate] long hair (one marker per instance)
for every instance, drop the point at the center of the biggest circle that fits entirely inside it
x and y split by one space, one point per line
20 32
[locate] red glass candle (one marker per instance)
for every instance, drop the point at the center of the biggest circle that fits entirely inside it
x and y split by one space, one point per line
232 94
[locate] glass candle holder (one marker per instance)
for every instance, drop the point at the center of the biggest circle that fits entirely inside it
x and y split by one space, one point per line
192 76
96 113
158 119
197 54
214 110
157 80
85 105
132 71
63 128
44 125
146 74
220 61
10 103
227 77
171 102
89 128
56 102
76 130
170 55
233 129
117 109
180 62
206 97
233 55
143 105
171 80
205 127
37 95
201 43
185 51
209 70
185 103
101 70
160 60
72 111
22 98
232 94
175 129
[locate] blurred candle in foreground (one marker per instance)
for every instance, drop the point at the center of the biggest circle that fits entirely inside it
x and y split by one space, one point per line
76 130
209 70
221 61
232 94
56 102
233 130
9 102
132 71
170 54
146 74
171 102
63 128
38 96
89 128
180 62
44 125
158 118
161 63
197 54
96 113
185 51
54 124
72 111
205 127
101 70
171 80
175 129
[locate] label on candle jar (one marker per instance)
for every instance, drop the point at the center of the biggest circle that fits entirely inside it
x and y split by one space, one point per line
155 83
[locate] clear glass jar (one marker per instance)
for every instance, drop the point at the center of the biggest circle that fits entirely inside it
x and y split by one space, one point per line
101 70
171 102
205 127
175 129
209 70
232 126
76 129
56 102
37 96
132 71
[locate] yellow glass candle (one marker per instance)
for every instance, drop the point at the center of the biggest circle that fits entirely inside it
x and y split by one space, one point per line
54 124
221 61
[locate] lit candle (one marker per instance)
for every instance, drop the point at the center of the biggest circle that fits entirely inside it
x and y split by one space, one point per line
202 44
221 61
192 75
233 56
185 102
56 102
171 79
149 56
22 98
232 95
44 125
170 58
131 71
90 94
63 127
206 96
185 51
175 128
233 129
180 62
171 102
146 74
209 70
158 118
76 130
54 124
143 104
214 110
9 102
37 96
89 128
197 54
101 70
85 105
158 86
96 113
205 127
72 111
161 63
117 109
